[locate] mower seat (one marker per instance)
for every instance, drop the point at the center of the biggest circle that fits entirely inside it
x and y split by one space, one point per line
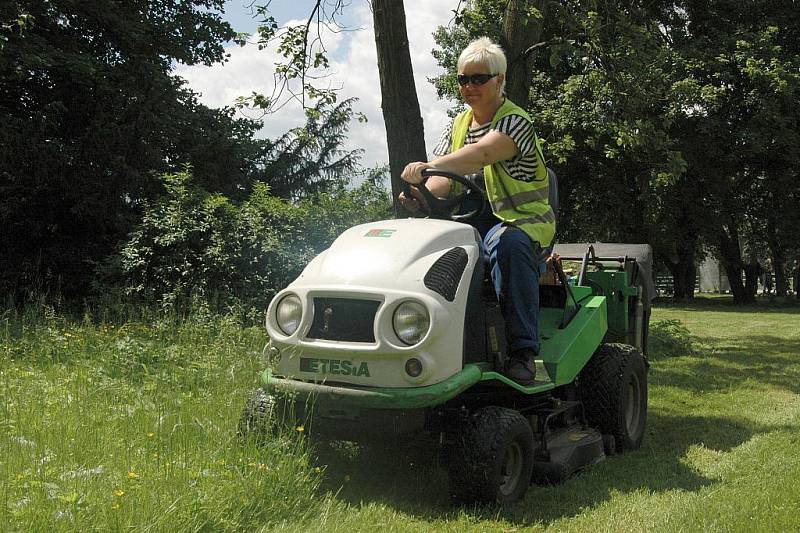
552 198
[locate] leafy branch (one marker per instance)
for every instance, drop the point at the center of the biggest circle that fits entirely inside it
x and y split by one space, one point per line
305 57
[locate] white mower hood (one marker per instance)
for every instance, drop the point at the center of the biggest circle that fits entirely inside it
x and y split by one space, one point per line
350 293
383 254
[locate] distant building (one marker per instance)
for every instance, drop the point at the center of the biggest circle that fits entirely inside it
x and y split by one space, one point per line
712 277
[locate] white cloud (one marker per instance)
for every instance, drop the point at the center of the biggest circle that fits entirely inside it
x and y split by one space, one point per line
353 68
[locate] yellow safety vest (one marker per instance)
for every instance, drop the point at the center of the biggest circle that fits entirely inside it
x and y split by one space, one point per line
523 204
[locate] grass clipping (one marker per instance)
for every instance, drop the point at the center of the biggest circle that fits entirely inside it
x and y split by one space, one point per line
670 338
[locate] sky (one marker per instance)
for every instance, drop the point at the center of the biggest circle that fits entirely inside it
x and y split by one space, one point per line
353 67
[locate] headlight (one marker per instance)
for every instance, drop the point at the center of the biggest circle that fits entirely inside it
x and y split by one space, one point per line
411 322
288 313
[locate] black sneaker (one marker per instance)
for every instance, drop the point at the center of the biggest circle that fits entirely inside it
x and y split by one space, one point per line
521 369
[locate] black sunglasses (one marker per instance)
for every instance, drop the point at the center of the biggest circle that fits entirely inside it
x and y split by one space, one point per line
474 79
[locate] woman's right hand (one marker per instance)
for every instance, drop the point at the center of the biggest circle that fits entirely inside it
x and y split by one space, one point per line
413 172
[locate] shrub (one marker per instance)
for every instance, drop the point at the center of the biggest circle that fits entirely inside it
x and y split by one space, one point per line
194 247
331 213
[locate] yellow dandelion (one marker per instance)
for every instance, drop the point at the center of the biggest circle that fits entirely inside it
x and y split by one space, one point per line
221 462
115 506
151 435
317 469
119 493
300 429
132 475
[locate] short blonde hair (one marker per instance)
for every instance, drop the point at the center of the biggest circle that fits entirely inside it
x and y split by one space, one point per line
485 52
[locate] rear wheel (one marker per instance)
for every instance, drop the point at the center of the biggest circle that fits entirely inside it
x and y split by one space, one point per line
491 460
613 389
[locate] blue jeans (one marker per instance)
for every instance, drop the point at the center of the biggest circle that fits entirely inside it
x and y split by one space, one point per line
515 263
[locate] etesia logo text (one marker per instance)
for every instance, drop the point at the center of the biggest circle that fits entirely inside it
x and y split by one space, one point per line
333 366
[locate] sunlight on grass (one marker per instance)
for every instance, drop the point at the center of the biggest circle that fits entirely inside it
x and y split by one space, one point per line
135 425
132 425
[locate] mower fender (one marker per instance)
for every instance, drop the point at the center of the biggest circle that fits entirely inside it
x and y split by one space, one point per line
567 350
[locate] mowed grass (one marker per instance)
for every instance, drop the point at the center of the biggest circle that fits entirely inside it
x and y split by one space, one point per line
112 426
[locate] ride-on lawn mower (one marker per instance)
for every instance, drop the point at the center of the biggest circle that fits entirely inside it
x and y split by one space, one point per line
394 334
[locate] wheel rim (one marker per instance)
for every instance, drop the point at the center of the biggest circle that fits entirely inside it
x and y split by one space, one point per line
511 469
633 406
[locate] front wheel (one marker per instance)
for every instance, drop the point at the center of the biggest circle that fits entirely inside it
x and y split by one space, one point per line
264 415
491 460
613 389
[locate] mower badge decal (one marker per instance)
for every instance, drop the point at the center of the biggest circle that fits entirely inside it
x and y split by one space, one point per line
333 366
385 233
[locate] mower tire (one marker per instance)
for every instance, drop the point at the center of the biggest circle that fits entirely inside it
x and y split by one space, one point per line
613 389
256 416
491 459
265 415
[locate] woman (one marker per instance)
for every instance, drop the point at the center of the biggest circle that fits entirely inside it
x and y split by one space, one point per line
493 140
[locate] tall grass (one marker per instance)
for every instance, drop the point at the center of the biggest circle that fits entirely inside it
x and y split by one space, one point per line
132 425
106 426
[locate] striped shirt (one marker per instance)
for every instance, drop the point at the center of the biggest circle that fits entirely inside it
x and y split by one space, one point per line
523 165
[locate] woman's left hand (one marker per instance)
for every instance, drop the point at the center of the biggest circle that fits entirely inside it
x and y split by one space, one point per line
413 172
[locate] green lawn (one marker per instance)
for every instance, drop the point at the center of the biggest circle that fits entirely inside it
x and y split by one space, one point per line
132 426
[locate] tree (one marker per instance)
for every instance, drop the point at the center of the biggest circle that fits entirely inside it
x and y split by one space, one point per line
405 135
299 75
599 98
91 115
88 110
743 64
522 30
306 161
661 118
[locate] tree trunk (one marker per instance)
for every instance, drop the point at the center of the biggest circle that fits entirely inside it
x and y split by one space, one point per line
683 273
778 258
686 292
731 258
752 271
405 135
797 278
520 31
781 279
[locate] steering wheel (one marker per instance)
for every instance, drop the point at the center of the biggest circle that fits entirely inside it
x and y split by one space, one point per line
442 208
